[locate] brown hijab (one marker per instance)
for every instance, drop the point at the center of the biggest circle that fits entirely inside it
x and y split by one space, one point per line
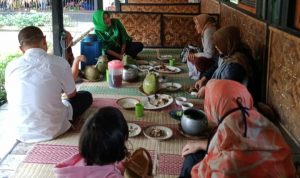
227 40
202 21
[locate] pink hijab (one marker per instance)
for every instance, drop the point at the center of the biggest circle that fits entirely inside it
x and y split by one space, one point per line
241 147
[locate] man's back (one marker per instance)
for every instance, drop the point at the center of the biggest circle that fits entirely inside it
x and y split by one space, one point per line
34 84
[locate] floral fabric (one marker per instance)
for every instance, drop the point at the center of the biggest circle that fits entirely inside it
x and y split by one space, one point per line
262 152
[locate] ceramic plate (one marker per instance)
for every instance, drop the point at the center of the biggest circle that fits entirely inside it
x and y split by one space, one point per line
170 86
145 68
166 69
157 132
157 101
127 103
164 57
134 129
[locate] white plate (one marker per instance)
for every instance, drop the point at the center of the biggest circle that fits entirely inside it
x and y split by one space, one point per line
134 129
127 102
165 132
170 86
166 69
164 57
145 68
157 101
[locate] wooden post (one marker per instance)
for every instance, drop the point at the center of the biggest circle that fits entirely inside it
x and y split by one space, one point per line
58 28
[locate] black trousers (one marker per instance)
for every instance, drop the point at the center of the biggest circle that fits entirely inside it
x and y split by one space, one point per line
188 163
132 49
80 102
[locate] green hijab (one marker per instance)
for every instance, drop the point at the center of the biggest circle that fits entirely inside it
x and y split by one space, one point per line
99 21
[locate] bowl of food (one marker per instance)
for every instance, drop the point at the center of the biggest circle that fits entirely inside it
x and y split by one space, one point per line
186 105
130 73
180 100
193 122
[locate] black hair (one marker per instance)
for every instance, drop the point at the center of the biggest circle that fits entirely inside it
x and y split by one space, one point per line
107 13
103 136
30 35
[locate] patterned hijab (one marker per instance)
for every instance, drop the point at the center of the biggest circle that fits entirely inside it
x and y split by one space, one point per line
202 21
245 144
227 39
99 21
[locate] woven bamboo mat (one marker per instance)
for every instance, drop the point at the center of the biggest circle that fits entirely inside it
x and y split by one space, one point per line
41 159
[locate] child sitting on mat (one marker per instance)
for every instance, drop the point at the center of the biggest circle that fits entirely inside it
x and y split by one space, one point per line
101 147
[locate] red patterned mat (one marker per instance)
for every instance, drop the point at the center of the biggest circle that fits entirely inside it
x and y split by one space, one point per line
169 164
99 103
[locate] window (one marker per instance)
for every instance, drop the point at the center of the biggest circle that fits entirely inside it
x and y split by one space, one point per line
109 5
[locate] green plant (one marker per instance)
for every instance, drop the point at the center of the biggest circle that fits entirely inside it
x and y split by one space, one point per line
3 64
26 19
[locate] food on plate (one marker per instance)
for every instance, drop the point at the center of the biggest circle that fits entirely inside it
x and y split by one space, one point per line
156 132
158 100
164 68
132 129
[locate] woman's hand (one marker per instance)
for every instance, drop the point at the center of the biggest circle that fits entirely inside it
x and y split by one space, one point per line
116 55
123 49
193 147
191 58
201 92
200 83
80 58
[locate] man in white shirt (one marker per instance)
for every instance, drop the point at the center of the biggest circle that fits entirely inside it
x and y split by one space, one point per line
34 84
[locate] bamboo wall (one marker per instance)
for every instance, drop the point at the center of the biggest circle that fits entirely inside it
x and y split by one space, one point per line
279 70
159 30
171 8
283 91
210 7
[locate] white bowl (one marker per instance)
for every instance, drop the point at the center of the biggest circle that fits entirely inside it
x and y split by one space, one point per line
180 100
186 105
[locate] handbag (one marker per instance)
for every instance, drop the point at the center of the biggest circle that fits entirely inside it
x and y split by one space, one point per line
187 50
139 164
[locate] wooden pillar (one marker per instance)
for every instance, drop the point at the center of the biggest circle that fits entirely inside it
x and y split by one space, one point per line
99 4
58 27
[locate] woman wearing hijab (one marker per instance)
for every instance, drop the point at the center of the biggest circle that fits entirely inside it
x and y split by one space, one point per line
199 62
232 64
114 38
244 144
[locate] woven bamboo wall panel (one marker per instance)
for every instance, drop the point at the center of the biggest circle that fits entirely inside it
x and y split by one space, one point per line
284 79
253 31
179 31
142 27
210 7
182 9
158 1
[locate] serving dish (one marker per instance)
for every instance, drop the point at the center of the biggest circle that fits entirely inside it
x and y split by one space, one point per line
127 102
166 69
158 132
157 101
134 129
171 86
